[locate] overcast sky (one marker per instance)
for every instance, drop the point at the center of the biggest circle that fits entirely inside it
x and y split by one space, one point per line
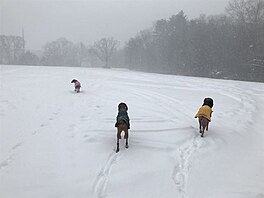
90 20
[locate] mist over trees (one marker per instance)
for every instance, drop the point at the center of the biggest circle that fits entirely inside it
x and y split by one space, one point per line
229 46
226 46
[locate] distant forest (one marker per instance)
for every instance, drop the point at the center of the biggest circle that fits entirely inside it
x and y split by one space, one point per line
228 46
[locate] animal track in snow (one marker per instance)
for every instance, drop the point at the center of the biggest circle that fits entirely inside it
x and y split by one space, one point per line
17 145
181 170
9 160
102 178
6 162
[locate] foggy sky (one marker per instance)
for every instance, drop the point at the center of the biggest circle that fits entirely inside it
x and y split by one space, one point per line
90 20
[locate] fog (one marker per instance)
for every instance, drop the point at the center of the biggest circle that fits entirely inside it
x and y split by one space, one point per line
90 20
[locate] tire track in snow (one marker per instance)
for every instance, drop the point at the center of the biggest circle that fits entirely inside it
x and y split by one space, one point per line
181 170
102 179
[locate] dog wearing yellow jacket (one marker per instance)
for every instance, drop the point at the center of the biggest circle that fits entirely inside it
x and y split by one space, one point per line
204 115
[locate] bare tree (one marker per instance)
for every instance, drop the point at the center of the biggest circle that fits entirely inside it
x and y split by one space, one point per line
60 53
11 48
248 16
246 11
105 48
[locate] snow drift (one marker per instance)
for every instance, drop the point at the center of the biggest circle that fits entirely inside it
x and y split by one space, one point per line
55 143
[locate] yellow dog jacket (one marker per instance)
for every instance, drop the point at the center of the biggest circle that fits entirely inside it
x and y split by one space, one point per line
206 111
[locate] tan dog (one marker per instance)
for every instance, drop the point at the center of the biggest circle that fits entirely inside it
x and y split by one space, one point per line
122 123
204 115
122 127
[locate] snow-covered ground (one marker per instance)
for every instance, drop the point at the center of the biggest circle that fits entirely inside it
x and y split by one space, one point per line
55 143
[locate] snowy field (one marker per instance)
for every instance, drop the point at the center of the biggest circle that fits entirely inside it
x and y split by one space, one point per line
55 143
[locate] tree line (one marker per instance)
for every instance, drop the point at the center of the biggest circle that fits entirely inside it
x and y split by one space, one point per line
60 52
227 46
224 46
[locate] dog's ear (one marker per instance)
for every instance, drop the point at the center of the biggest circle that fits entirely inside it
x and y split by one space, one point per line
126 106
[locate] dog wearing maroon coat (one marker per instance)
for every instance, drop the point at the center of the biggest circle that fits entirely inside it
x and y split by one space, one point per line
77 85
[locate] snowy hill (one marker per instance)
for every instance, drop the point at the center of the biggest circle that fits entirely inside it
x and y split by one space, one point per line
55 143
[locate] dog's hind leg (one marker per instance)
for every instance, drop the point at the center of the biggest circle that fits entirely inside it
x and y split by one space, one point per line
207 126
204 126
202 132
200 124
117 138
117 147
126 137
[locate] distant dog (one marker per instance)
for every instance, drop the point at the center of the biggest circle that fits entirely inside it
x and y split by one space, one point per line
122 123
204 115
77 85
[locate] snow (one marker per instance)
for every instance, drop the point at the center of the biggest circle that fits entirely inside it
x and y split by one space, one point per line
55 143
